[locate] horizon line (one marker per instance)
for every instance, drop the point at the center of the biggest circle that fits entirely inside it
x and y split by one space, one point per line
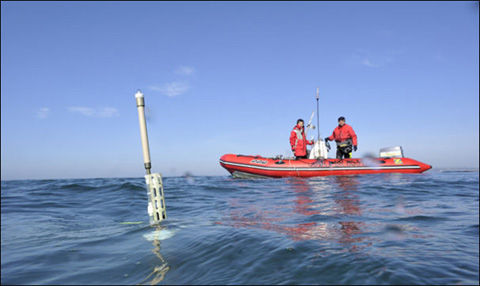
470 169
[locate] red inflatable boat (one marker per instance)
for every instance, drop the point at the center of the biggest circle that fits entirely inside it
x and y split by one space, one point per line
257 166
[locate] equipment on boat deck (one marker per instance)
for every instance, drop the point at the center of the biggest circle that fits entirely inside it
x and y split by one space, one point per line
391 152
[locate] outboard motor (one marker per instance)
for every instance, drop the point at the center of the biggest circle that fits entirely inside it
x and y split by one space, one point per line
391 152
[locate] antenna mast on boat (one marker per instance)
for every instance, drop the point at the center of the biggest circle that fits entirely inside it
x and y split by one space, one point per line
318 126
156 202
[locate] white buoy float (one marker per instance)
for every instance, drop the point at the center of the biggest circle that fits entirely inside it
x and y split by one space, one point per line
156 202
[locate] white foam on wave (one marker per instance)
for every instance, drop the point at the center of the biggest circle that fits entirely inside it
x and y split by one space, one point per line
159 235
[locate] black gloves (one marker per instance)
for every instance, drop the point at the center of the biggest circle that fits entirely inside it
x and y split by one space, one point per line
326 139
327 145
355 148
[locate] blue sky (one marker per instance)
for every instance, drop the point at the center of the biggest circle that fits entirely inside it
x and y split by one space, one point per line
231 77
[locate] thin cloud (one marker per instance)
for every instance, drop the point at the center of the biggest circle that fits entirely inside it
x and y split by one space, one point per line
184 70
90 112
379 62
108 112
43 112
376 59
172 89
368 63
86 111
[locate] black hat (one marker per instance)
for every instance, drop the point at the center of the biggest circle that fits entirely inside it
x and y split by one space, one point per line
341 118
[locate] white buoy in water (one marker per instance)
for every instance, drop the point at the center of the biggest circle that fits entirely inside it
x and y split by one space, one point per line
156 201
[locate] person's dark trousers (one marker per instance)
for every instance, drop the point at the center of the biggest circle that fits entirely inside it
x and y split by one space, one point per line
341 154
301 157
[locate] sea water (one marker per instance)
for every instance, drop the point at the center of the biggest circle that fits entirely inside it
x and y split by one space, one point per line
370 229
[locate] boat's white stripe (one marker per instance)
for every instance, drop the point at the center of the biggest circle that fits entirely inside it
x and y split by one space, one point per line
321 168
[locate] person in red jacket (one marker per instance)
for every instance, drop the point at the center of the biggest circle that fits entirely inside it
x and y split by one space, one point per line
298 141
344 136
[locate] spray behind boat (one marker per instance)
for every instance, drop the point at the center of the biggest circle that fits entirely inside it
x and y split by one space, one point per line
156 201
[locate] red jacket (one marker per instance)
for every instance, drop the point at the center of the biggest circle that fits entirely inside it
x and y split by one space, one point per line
342 133
298 141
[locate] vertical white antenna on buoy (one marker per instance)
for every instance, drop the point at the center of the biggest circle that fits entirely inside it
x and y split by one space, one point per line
156 201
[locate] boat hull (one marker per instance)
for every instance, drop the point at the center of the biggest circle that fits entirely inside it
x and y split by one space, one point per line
257 166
